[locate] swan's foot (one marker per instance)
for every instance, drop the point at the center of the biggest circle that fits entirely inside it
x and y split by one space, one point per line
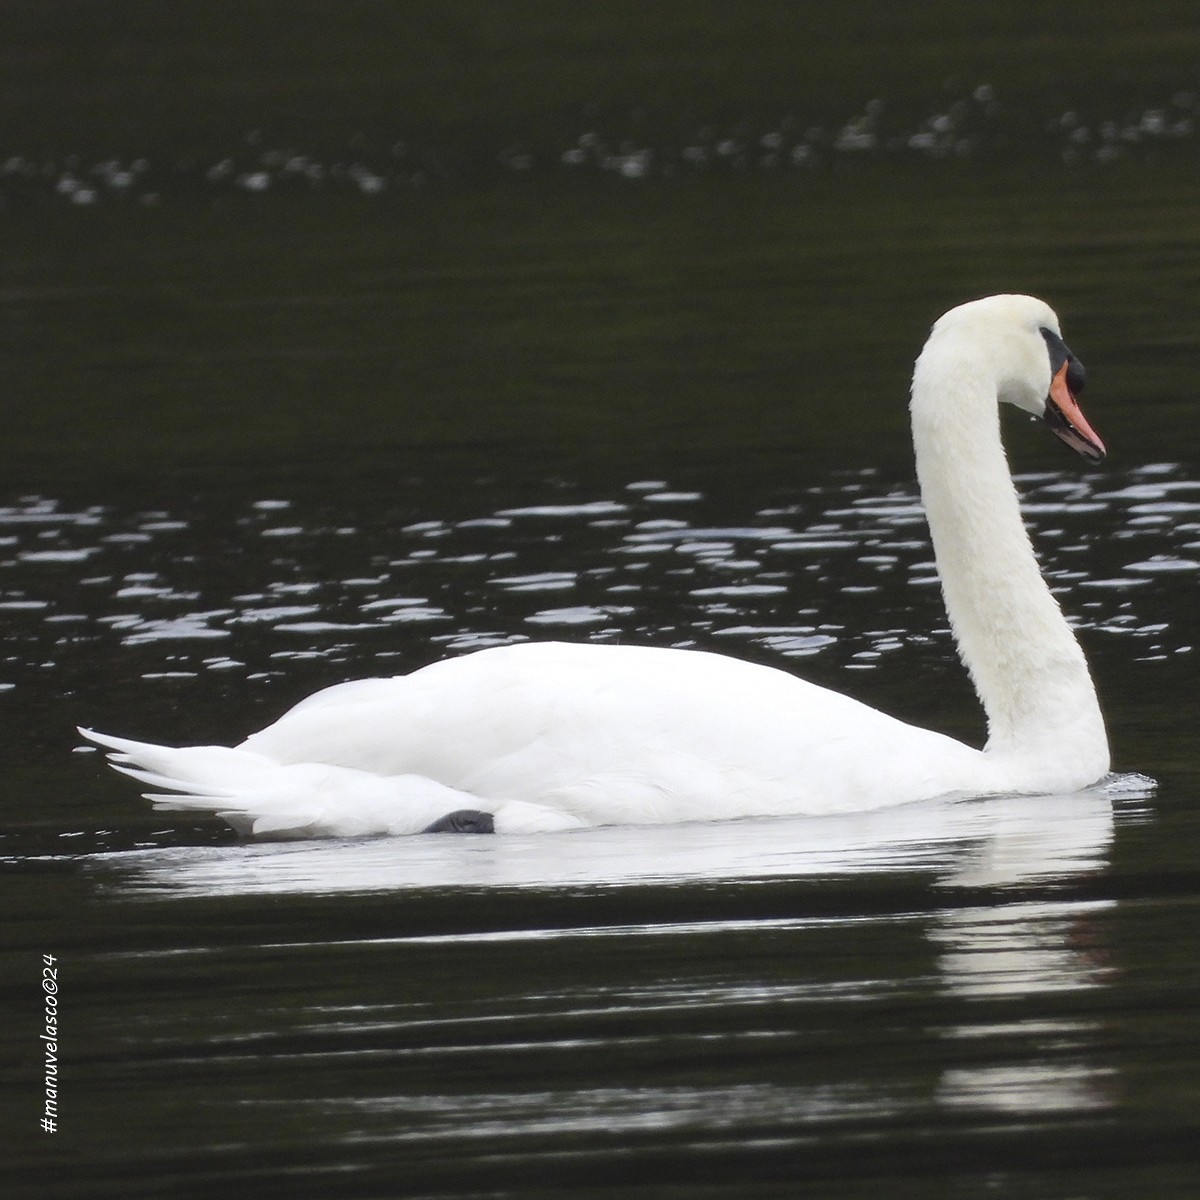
463 820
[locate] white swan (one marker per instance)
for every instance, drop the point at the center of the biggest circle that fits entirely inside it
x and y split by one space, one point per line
543 736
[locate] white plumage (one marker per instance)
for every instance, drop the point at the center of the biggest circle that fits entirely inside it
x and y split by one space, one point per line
548 736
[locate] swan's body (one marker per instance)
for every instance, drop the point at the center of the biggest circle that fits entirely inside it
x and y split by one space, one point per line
552 736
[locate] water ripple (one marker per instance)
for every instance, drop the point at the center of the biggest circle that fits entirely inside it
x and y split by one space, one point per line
841 569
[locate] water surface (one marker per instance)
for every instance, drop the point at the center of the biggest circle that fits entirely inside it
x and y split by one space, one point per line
969 996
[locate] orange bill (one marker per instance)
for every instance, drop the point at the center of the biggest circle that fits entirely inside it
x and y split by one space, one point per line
1066 419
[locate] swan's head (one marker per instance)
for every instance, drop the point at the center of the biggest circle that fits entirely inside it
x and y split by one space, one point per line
1018 338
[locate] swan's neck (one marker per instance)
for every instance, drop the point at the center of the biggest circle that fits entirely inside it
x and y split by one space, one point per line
1024 661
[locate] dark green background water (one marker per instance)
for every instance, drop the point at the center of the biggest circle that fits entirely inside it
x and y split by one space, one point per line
997 1003
479 304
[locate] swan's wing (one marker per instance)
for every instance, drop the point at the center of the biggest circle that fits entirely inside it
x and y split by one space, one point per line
622 734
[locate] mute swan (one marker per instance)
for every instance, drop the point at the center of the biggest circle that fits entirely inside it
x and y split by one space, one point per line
549 736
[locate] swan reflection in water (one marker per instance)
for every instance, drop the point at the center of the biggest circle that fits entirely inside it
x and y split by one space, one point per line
988 842
1004 1054
1019 951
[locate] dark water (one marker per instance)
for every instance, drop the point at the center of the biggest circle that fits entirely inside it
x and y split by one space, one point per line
978 123
989 998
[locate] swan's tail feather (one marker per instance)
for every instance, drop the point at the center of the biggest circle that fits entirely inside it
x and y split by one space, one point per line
262 798
173 766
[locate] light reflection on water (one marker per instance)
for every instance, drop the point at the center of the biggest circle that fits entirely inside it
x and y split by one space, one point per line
723 1113
829 572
